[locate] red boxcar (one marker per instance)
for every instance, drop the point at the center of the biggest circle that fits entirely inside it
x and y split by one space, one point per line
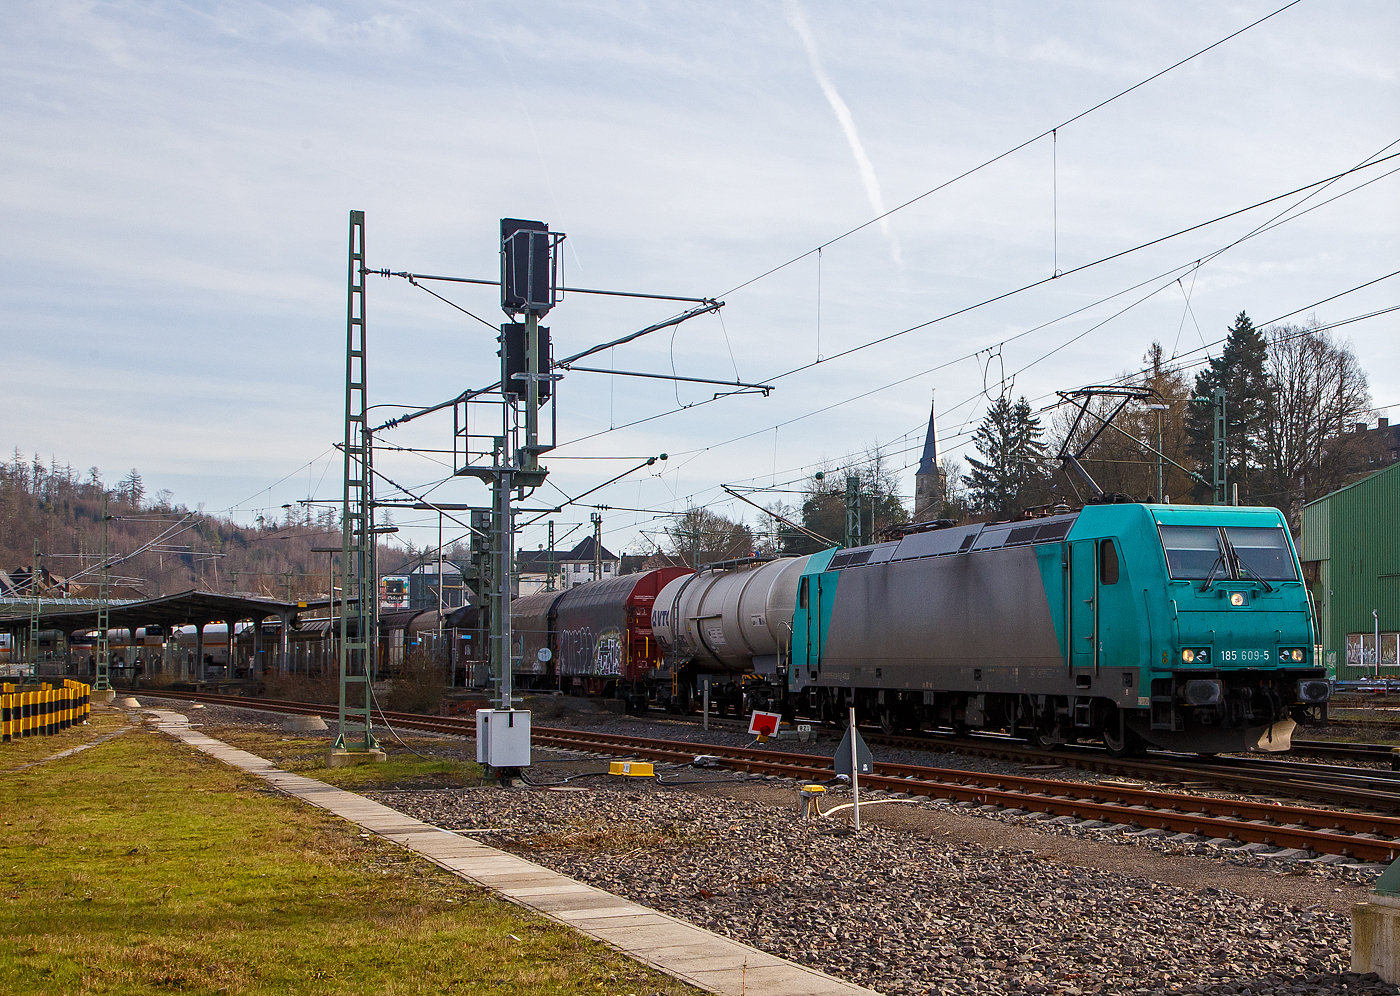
598 634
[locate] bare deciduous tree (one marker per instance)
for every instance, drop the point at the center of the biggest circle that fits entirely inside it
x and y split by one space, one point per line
699 536
1318 392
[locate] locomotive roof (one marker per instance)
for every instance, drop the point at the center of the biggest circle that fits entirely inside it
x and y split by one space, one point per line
959 539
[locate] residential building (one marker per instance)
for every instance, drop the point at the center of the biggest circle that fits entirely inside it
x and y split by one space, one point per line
583 563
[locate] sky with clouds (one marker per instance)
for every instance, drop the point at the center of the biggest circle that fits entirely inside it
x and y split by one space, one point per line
177 179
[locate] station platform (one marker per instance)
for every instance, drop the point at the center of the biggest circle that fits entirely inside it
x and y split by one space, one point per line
682 950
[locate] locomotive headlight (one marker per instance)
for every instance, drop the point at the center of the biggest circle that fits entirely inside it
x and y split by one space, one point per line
1293 655
1238 598
1195 655
1188 656
1314 690
1203 692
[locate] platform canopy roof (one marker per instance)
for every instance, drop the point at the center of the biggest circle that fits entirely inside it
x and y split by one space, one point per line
186 608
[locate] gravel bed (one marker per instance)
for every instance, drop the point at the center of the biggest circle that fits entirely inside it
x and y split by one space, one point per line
899 912
933 757
552 764
893 909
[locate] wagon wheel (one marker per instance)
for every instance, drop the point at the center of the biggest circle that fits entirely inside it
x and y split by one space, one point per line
888 723
1121 741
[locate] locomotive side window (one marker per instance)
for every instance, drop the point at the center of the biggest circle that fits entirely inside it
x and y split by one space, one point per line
802 593
1263 551
1192 551
1108 563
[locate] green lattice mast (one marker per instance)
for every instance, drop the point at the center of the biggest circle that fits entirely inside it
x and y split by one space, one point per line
101 679
358 593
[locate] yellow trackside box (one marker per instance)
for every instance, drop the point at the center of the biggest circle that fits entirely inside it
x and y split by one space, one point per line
635 769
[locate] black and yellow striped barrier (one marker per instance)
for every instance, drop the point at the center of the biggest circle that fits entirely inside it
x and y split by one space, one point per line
43 712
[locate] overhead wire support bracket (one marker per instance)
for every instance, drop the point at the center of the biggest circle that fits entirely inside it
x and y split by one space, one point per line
410 276
648 462
706 307
765 388
783 519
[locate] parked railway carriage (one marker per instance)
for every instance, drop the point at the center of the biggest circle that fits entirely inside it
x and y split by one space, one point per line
1187 627
532 629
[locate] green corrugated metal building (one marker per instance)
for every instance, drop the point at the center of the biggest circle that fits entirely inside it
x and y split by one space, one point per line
1351 559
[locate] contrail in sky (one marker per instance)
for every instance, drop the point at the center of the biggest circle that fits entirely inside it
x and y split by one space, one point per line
798 20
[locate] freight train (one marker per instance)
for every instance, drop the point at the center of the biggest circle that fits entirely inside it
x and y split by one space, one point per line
594 639
1183 627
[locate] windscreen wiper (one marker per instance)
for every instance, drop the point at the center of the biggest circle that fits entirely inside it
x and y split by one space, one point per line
1241 567
1210 576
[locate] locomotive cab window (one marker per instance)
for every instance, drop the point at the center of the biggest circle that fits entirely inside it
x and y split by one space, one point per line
1108 563
1262 552
1192 551
802 593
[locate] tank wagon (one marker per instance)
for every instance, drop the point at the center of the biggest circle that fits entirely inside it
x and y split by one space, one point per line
731 623
1184 627
594 639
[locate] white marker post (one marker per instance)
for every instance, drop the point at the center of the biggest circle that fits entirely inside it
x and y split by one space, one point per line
855 773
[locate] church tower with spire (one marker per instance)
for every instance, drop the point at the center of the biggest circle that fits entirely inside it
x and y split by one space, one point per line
930 487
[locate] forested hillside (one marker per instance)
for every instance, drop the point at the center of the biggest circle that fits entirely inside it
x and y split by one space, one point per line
62 508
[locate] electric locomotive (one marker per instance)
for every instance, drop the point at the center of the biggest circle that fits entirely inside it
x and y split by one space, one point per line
1184 627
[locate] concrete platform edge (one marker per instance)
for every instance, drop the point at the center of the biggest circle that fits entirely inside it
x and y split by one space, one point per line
702 958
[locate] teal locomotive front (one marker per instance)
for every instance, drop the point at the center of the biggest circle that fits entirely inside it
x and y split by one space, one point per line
1187 627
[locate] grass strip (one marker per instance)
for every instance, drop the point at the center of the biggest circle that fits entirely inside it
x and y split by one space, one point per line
29 750
309 756
143 866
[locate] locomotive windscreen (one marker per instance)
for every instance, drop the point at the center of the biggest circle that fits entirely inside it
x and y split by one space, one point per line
1192 551
1195 553
1263 551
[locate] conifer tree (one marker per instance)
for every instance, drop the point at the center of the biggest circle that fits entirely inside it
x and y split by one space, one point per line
1241 368
1011 474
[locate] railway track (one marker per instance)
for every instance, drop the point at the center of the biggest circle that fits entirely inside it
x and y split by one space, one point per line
1334 784
1363 836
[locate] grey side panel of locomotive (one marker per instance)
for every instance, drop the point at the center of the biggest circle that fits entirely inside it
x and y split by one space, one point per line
977 622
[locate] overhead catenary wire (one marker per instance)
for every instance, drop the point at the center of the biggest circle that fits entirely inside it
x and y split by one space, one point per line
1358 320
1094 263
1011 151
1267 226
954 437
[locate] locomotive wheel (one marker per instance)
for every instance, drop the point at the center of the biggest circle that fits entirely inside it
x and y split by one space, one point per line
1045 741
1128 744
